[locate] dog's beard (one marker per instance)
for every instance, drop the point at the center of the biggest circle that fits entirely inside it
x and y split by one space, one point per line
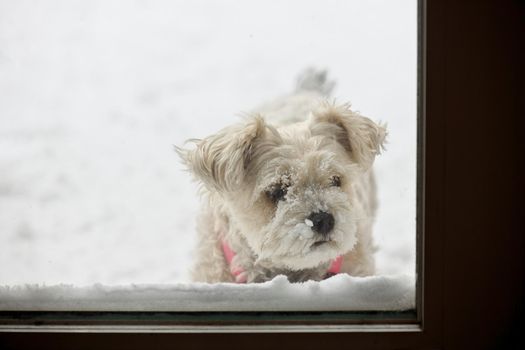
288 240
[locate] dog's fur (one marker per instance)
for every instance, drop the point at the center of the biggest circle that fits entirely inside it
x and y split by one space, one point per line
264 177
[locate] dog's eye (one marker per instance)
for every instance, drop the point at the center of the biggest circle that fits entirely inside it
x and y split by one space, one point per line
335 181
277 194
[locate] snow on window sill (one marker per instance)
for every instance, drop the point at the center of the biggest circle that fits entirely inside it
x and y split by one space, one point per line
338 293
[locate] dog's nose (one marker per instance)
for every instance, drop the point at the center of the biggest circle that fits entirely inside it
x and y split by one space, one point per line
322 222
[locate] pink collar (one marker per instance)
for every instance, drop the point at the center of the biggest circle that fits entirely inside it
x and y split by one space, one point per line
240 276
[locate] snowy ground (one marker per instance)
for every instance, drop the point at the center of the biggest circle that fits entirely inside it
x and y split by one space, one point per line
94 94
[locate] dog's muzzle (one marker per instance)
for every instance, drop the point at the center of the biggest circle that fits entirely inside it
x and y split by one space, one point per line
323 223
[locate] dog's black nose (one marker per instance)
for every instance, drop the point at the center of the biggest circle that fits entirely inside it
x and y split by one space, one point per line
322 222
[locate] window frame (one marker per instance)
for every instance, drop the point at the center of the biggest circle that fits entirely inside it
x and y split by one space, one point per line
447 317
409 320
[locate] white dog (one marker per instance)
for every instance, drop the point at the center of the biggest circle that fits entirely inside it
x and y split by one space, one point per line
288 191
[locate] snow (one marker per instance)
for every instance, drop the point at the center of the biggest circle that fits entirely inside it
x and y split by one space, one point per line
338 293
94 94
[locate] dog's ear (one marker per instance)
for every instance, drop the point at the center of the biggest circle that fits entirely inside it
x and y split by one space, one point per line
220 161
359 135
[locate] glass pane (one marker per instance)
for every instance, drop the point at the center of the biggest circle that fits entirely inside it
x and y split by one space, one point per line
96 94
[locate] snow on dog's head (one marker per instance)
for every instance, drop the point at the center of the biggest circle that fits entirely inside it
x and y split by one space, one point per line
289 191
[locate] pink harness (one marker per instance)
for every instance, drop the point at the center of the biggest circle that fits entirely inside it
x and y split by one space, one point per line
240 276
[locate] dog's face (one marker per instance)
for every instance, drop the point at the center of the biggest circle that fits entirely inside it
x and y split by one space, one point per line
290 191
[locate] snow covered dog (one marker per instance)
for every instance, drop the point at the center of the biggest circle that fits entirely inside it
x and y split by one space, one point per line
290 191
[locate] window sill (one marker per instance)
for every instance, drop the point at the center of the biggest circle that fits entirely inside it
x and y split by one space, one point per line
339 293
